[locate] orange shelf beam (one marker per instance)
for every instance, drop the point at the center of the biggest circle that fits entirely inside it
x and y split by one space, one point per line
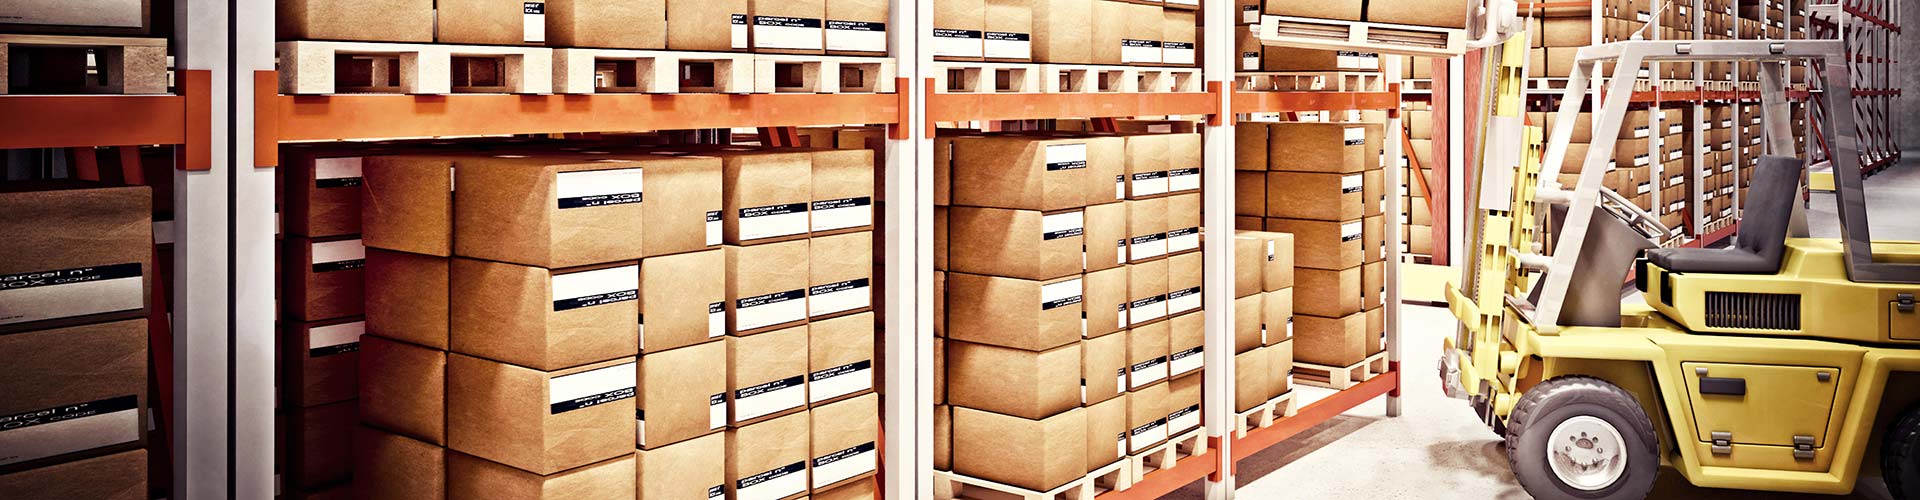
1162 482
1315 414
351 117
967 107
1281 102
62 121
1713 237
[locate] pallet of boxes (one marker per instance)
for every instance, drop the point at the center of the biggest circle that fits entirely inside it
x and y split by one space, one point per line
986 46
1070 333
1321 183
81 47
1263 329
1416 179
648 323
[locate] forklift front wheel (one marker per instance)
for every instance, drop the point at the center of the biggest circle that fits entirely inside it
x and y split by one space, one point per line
1579 437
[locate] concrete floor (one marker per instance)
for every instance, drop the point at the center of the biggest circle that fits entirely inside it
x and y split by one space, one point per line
1438 449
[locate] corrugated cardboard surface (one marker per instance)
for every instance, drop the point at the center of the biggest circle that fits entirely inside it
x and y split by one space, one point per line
1249 193
309 380
1373 191
675 390
680 193
1184 274
1007 312
1105 236
1017 382
407 203
767 357
1107 431
355 20
308 294
1252 384
474 477
1146 161
1144 22
403 388
1103 364
1444 13
1183 222
328 208
872 11
120 476
1328 293
68 225
1372 286
1276 314
844 425
506 312
1145 281
853 490
1105 298
1330 341
1011 172
1249 254
1109 23
765 446
480 22
1317 147
751 178
704 24
1345 10
1186 331
941 216
317 451
1250 143
1376 330
805 9
675 293
624 24
1062 32
495 199
839 258
1146 227
1315 196
1146 406
1248 316
942 437
394 467
1010 16
1280 367
1277 272
686 469
500 412
1373 238
839 342
842 174
76 365
1106 159
408 299
939 371
763 269
1147 344
1318 245
1183 393
1033 454
1009 243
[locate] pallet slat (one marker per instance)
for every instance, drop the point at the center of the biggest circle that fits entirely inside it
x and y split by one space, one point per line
312 67
1340 377
62 64
591 71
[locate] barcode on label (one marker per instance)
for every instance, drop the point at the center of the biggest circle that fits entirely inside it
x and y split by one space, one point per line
1062 294
590 388
595 188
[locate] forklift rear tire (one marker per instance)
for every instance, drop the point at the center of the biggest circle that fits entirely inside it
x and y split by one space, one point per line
1578 437
1900 455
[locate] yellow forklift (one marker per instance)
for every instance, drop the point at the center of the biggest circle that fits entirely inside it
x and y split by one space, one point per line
1779 363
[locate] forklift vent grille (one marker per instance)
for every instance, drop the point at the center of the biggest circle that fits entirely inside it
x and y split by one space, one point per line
1753 311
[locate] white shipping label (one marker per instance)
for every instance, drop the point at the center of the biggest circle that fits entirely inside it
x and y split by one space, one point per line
596 287
595 188
1149 183
1350 183
1183 179
856 36
1120 445
1350 231
1147 309
1185 361
533 23
1640 132
1147 372
1142 437
1347 59
1003 45
838 297
1354 136
69 428
769 309
773 484
1646 187
343 255
640 426
590 388
795 33
839 381
1176 52
1062 294
717 411
738 26
842 213
714 226
1062 225
1249 14
1289 328
329 340
1184 239
957 43
336 172
65 293
1120 187
716 319
1182 419
769 398
1249 61
772 221
1641 160
1066 156
845 464
1139 51
1180 301
1147 246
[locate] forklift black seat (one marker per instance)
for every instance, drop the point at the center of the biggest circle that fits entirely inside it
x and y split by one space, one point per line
1761 242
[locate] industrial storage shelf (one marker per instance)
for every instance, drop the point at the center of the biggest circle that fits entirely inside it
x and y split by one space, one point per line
1283 428
1161 482
944 107
1281 102
65 121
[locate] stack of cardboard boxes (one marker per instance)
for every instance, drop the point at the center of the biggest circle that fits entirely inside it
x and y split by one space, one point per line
1252 56
1322 184
1718 152
1416 212
1135 32
73 334
1559 33
1629 169
1263 318
1068 282
1676 166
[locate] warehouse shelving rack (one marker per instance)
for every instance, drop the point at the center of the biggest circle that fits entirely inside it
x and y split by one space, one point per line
1871 28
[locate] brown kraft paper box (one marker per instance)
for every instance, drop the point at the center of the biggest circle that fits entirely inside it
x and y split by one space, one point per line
766 286
766 194
1023 172
542 422
546 319
1106 236
490 22
1373 289
856 490
318 362
1276 316
1003 242
120 476
840 357
408 301
1344 10
1183 283
845 441
678 395
1146 417
1251 141
958 27
1140 43
707 25
1178 36
1183 223
1252 385
1109 30
683 207
788 26
1183 163
1103 368
1147 289
1010 312
355 20
1376 331
1373 192
695 468
74 249
1331 341
1328 293
317 450
1280 367
1146 229
1374 238
1334 148
1186 339
79 388
473 477
1322 244
769 459
321 192
390 466
1061 33
682 300
1106 159
1183 405
942 438
1049 452
842 191
1442 14
1277 271
768 375
322 279
623 24
1106 300
1106 432
403 388
857 27
1146 163
1147 354
1016 382
408 203
1249 254
1248 315
587 212
1315 196
841 269
1009 30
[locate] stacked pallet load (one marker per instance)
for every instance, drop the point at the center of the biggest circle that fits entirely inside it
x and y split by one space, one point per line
1416 177
1069 333
1263 329
1676 167
1719 160
1323 185
55 47
1628 170
987 46
73 328
1558 34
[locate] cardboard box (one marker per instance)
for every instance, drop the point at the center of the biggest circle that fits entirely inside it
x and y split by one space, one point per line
856 490
678 395
1106 300
683 206
841 274
1276 316
589 217
1248 52
840 357
1373 286
1322 244
1249 328
1252 384
1009 30
1146 417
1568 32
1026 384
1186 344
1336 342
1297 59
1376 331
1183 283
489 22
1251 141
845 441
313 453
1108 24
1002 242
344 20
473 477
1373 192
942 438
390 466
1345 10
320 191
767 376
1147 165
607 24
695 468
546 319
542 422
403 388
842 190
1179 37
1315 196
1335 148
682 301
769 459
1029 173
1103 362
1105 223
1011 312
788 26
318 362
1280 367
1147 352
707 25
1247 11
408 300
1061 33
77 388
1244 223
120 476
1183 223
1107 431
1038 455
958 28
1147 289
1248 253
322 279
939 371
1146 229
1183 405
1328 293
767 286
766 194
856 27
1140 42
415 213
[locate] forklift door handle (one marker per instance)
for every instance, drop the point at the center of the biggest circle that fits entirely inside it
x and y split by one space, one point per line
1725 386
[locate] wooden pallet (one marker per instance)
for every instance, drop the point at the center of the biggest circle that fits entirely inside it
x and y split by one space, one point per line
1264 415
1719 85
969 77
1423 84
1115 476
1340 377
1673 85
1165 455
1546 84
1331 34
311 67
1090 78
590 71
1336 81
60 64
776 73
1749 86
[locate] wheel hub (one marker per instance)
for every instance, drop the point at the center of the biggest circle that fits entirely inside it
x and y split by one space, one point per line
1586 453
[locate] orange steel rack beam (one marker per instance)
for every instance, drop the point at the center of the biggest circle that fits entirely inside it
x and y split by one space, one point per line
1316 413
968 107
1280 102
63 121
1159 483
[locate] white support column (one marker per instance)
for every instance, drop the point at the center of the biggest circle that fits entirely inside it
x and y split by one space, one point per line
253 259
908 414
1217 256
202 467
1391 210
